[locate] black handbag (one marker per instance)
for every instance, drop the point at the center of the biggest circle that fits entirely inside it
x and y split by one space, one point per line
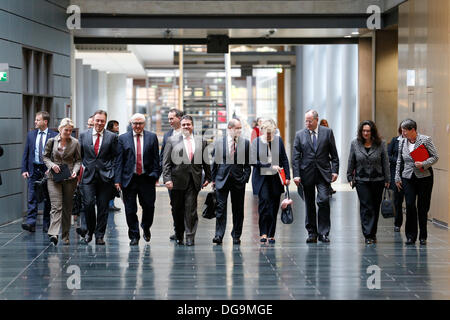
387 205
40 189
209 208
287 216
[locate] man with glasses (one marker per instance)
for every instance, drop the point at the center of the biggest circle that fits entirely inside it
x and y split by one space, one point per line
137 169
316 165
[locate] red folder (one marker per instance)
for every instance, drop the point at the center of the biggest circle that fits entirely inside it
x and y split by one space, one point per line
282 176
420 155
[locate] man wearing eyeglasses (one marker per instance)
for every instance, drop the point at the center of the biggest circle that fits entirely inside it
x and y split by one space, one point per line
137 168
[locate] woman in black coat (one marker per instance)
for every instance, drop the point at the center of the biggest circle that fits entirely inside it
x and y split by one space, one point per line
399 195
268 157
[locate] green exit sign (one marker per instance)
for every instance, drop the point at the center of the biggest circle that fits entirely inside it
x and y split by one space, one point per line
4 68
3 76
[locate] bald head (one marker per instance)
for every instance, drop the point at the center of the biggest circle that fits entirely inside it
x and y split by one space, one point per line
311 119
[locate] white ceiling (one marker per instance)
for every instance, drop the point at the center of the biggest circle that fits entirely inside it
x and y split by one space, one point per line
113 62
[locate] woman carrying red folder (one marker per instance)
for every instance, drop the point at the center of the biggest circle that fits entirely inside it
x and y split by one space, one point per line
414 175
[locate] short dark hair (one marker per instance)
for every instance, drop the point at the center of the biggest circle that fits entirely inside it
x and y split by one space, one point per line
44 114
409 124
187 117
111 124
400 129
178 112
100 112
376 139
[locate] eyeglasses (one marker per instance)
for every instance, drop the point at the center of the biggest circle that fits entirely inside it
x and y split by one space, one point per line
138 123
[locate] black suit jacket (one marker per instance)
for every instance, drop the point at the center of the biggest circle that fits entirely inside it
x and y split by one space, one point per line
177 167
223 165
103 163
306 160
167 135
126 158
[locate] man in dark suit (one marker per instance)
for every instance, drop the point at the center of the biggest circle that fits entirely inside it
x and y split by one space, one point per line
316 165
174 117
137 169
182 173
230 172
33 169
98 150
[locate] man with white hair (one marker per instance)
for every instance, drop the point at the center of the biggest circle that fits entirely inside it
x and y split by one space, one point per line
137 168
316 165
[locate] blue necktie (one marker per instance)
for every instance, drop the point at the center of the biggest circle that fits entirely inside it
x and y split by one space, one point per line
314 140
41 147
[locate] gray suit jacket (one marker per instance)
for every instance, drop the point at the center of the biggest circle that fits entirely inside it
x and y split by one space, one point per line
71 155
103 163
409 166
369 166
306 160
177 167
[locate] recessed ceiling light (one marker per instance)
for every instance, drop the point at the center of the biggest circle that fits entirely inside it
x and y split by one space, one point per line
347 36
355 33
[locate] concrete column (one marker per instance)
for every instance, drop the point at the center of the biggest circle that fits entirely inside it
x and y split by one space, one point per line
94 89
79 95
117 100
102 90
87 92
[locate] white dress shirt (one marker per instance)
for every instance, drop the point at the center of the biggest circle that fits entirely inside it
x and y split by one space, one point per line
186 145
94 138
142 149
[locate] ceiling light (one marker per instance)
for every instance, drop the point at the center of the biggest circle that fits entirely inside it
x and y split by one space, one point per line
348 36
355 33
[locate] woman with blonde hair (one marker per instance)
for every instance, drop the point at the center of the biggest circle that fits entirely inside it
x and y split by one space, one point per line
62 152
268 157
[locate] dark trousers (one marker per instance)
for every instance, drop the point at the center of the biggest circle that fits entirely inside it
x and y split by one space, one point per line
237 191
370 194
420 190
398 203
268 206
97 193
320 223
142 187
171 208
33 205
184 206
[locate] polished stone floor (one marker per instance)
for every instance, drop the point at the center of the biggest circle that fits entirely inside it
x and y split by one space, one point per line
31 268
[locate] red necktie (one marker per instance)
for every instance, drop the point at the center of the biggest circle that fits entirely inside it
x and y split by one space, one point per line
138 155
97 144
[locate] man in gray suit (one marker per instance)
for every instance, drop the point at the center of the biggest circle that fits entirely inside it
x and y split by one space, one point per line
316 165
98 151
182 174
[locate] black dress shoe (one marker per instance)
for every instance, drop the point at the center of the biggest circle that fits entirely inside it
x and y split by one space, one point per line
173 237
179 242
134 242
54 240
82 232
147 235
28 227
88 238
396 229
410 242
324 239
100 241
423 242
114 208
217 240
189 243
311 239
236 241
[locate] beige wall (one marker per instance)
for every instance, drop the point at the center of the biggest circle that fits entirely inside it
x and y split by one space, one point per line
424 37
365 58
386 92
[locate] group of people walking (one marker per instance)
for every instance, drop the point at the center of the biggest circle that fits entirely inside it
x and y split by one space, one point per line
132 164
